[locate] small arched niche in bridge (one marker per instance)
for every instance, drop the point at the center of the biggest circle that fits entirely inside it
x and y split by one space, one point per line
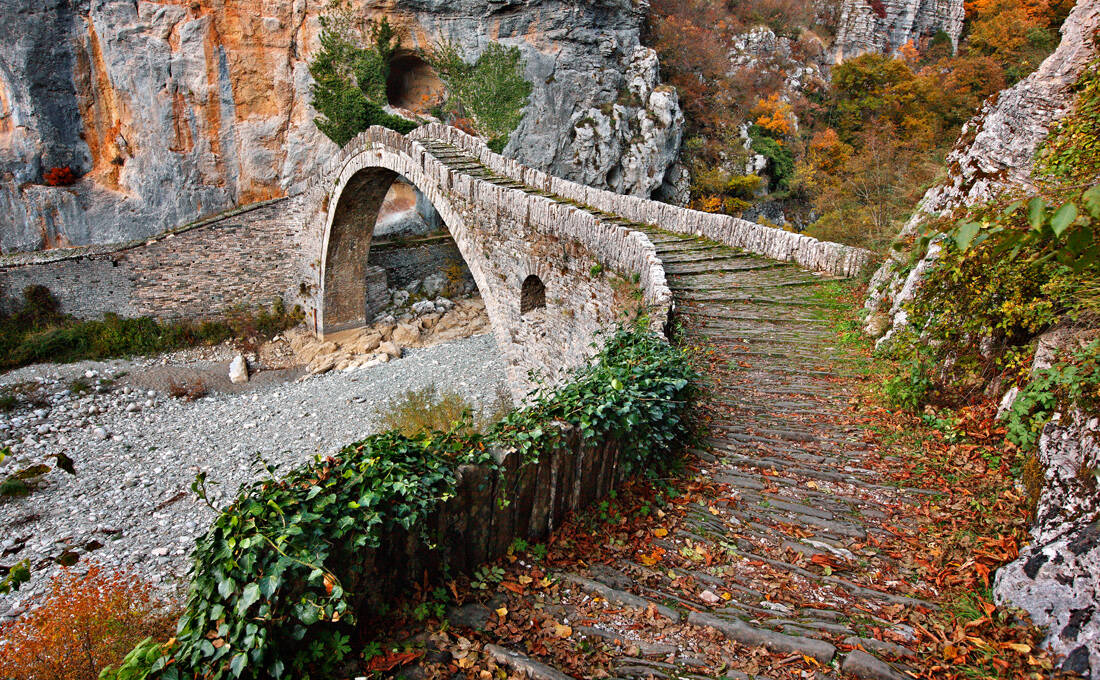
532 295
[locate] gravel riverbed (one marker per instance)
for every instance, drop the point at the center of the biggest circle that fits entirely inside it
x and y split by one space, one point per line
136 452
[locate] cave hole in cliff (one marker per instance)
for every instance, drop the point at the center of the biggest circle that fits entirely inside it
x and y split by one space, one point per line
413 84
387 248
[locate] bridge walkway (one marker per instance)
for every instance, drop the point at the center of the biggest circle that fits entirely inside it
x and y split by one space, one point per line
780 567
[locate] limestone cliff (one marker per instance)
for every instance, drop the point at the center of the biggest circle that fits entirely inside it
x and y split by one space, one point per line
995 153
886 25
170 110
1055 577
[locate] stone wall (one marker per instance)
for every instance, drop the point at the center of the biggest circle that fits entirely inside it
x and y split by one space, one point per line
417 259
246 258
472 528
823 256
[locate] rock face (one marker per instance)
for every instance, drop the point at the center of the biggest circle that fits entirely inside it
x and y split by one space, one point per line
886 25
995 151
629 145
1057 577
169 111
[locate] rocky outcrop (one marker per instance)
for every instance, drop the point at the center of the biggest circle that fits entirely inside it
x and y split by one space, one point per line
627 146
995 153
1056 578
170 111
885 25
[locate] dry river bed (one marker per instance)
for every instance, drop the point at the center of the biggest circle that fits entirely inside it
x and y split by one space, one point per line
136 451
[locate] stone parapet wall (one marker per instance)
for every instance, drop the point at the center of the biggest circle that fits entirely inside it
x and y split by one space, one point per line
473 527
244 259
809 252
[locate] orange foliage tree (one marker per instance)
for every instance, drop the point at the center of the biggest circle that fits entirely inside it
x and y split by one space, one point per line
775 115
83 624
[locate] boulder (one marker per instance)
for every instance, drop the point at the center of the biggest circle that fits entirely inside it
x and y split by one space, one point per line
433 285
238 370
323 363
365 344
390 349
405 334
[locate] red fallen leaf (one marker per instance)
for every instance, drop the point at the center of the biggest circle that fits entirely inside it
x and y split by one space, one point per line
514 587
391 660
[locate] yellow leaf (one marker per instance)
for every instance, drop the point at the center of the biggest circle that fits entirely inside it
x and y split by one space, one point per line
502 612
648 561
524 579
660 532
562 630
1017 647
727 596
713 510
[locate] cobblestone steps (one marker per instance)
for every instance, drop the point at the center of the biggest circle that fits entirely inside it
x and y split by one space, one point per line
796 503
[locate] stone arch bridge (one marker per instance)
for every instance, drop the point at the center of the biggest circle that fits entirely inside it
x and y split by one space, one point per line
555 261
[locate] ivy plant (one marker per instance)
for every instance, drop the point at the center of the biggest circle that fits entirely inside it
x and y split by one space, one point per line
279 583
1072 381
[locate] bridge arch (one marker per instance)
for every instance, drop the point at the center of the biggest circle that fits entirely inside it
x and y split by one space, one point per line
353 211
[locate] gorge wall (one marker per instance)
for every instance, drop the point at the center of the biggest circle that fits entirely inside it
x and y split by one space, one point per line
171 110
886 25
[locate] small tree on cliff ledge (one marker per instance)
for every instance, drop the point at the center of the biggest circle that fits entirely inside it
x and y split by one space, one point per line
350 73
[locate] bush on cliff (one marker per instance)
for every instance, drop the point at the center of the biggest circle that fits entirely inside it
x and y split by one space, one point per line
491 92
278 582
1006 275
350 73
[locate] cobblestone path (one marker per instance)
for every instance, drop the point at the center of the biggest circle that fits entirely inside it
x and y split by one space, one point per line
779 570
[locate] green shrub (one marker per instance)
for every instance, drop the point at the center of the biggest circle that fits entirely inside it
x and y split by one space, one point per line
36 332
1070 150
492 92
278 580
780 159
1074 380
1006 275
911 387
350 72
426 410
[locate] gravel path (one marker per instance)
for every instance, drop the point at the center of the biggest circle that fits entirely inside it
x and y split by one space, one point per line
137 452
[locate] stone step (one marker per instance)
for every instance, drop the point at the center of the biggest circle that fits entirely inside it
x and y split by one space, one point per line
618 597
